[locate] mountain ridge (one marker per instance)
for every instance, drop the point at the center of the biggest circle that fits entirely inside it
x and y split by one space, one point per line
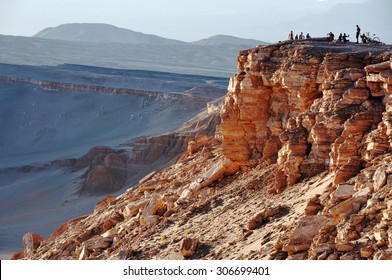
107 33
101 33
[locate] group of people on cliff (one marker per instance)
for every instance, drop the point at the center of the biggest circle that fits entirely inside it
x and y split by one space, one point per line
343 36
300 36
341 39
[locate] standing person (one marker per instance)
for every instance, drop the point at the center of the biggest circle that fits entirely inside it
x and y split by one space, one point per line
358 32
291 35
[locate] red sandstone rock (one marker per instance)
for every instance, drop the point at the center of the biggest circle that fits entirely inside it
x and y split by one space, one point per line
301 238
379 178
188 246
348 207
156 206
313 206
344 191
262 217
31 241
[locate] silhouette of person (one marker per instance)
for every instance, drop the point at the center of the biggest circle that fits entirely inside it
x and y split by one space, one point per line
330 36
358 32
291 35
345 38
364 38
340 38
301 36
307 36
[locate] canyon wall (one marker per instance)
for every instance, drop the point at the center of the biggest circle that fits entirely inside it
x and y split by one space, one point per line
57 86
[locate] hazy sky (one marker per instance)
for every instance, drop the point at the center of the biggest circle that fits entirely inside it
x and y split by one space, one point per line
186 20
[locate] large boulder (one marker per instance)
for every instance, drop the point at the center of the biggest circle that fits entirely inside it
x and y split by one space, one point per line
301 238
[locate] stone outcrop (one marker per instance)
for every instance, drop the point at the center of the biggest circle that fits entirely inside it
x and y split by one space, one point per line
106 172
188 246
307 106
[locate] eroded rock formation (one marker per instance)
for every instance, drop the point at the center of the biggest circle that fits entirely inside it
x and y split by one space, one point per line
307 107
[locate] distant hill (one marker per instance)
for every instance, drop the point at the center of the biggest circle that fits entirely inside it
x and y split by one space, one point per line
218 40
98 32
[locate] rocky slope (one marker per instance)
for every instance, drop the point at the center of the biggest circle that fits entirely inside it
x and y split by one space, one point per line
300 168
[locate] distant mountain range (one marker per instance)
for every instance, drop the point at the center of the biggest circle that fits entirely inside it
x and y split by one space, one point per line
106 33
109 46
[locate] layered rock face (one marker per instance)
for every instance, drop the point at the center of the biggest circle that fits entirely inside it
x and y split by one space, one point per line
309 107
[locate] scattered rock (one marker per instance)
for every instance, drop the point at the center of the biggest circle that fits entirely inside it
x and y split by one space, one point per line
31 241
156 206
366 252
188 246
323 248
195 144
83 254
346 257
313 206
262 217
301 238
344 247
348 207
132 209
344 191
103 243
148 223
379 178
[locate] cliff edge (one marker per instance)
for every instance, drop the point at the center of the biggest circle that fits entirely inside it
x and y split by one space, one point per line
300 168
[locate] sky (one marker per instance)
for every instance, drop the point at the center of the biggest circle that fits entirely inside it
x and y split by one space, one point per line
186 20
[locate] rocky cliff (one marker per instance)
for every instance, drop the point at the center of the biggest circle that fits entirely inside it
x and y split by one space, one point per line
309 108
300 168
